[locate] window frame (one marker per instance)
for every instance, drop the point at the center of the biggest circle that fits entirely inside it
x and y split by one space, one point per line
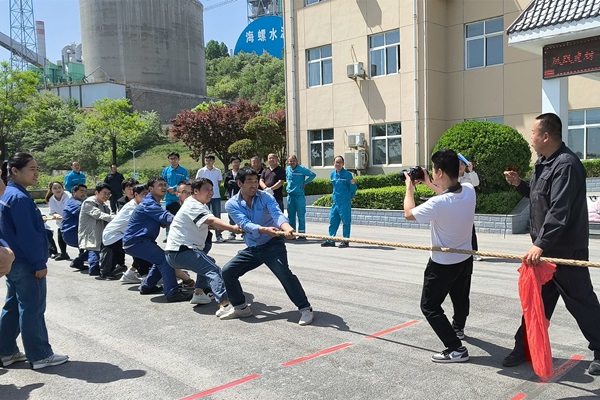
384 48
385 138
312 2
585 126
322 142
319 61
484 36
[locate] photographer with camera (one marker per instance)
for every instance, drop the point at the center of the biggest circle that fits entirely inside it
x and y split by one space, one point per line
451 216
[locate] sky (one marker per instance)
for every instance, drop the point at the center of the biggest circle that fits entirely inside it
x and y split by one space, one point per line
61 19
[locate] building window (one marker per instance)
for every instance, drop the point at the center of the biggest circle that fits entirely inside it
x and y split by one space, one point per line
484 43
498 120
309 2
384 53
584 133
386 144
320 70
321 147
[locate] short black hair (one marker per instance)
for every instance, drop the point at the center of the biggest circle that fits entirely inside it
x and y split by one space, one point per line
173 153
447 161
234 158
198 183
245 172
186 182
77 187
101 186
551 123
152 181
129 182
137 189
209 156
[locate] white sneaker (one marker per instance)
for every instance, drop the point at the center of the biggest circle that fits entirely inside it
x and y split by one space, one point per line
9 360
200 297
237 313
130 276
54 359
223 310
477 257
306 317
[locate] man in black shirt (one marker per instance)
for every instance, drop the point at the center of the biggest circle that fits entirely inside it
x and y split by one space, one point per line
559 228
273 178
114 179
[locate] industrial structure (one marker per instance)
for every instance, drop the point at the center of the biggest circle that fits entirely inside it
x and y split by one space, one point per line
379 81
154 48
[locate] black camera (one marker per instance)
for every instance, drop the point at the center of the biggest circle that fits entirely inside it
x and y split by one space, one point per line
415 174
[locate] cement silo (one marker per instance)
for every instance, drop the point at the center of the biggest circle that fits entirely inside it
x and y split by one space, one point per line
153 46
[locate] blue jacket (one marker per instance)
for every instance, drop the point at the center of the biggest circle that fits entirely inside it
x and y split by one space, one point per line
22 227
173 177
145 222
70 222
297 178
344 186
73 178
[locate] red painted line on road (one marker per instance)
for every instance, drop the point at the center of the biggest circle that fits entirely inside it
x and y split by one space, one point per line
223 387
396 328
317 354
563 369
520 396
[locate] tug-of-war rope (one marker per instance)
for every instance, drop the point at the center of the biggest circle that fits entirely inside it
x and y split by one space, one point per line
578 263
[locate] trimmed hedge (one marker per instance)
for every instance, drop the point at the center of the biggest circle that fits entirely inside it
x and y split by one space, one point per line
323 185
392 198
592 168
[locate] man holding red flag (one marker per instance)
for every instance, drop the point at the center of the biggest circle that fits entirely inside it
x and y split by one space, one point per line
559 228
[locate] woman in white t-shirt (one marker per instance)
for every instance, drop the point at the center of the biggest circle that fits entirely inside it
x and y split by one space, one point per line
467 175
57 199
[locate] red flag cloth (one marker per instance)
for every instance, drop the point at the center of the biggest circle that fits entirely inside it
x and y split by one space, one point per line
531 280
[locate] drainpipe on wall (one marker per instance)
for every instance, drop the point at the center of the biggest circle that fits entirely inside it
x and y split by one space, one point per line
426 87
416 81
294 108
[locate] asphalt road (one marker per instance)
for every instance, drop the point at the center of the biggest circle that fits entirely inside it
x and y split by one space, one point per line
369 339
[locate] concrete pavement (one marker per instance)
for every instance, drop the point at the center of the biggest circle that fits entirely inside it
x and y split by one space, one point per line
369 338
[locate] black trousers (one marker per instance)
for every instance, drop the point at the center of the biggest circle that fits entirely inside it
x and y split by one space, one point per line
574 285
111 256
61 243
442 280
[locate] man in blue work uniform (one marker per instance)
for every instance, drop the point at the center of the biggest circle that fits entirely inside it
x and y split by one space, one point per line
140 241
344 189
70 223
258 215
297 177
74 177
173 174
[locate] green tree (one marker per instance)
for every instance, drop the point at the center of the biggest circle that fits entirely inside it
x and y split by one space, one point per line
15 88
46 119
113 122
216 50
264 137
258 79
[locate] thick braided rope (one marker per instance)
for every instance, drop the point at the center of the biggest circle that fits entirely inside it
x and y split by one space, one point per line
561 261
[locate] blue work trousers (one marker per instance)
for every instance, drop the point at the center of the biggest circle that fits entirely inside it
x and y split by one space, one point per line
340 212
93 261
297 208
215 209
151 252
204 266
23 313
274 255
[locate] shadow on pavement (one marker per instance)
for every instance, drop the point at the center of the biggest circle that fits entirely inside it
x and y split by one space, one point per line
18 393
92 372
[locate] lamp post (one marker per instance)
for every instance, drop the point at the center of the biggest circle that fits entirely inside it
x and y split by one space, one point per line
134 175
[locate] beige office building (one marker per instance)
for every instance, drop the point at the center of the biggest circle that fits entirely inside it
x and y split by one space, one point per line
381 80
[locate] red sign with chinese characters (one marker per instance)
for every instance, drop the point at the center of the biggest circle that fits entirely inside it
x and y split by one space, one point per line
571 58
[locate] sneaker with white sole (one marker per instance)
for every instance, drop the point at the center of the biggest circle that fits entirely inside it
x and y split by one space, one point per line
306 317
9 360
223 309
53 360
234 313
200 297
130 276
459 355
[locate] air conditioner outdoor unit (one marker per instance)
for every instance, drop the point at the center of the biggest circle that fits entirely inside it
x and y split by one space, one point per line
355 159
355 70
356 140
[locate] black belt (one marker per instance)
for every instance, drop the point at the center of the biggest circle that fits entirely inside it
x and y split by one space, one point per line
182 248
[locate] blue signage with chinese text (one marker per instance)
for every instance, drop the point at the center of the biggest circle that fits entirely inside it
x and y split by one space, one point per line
263 34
